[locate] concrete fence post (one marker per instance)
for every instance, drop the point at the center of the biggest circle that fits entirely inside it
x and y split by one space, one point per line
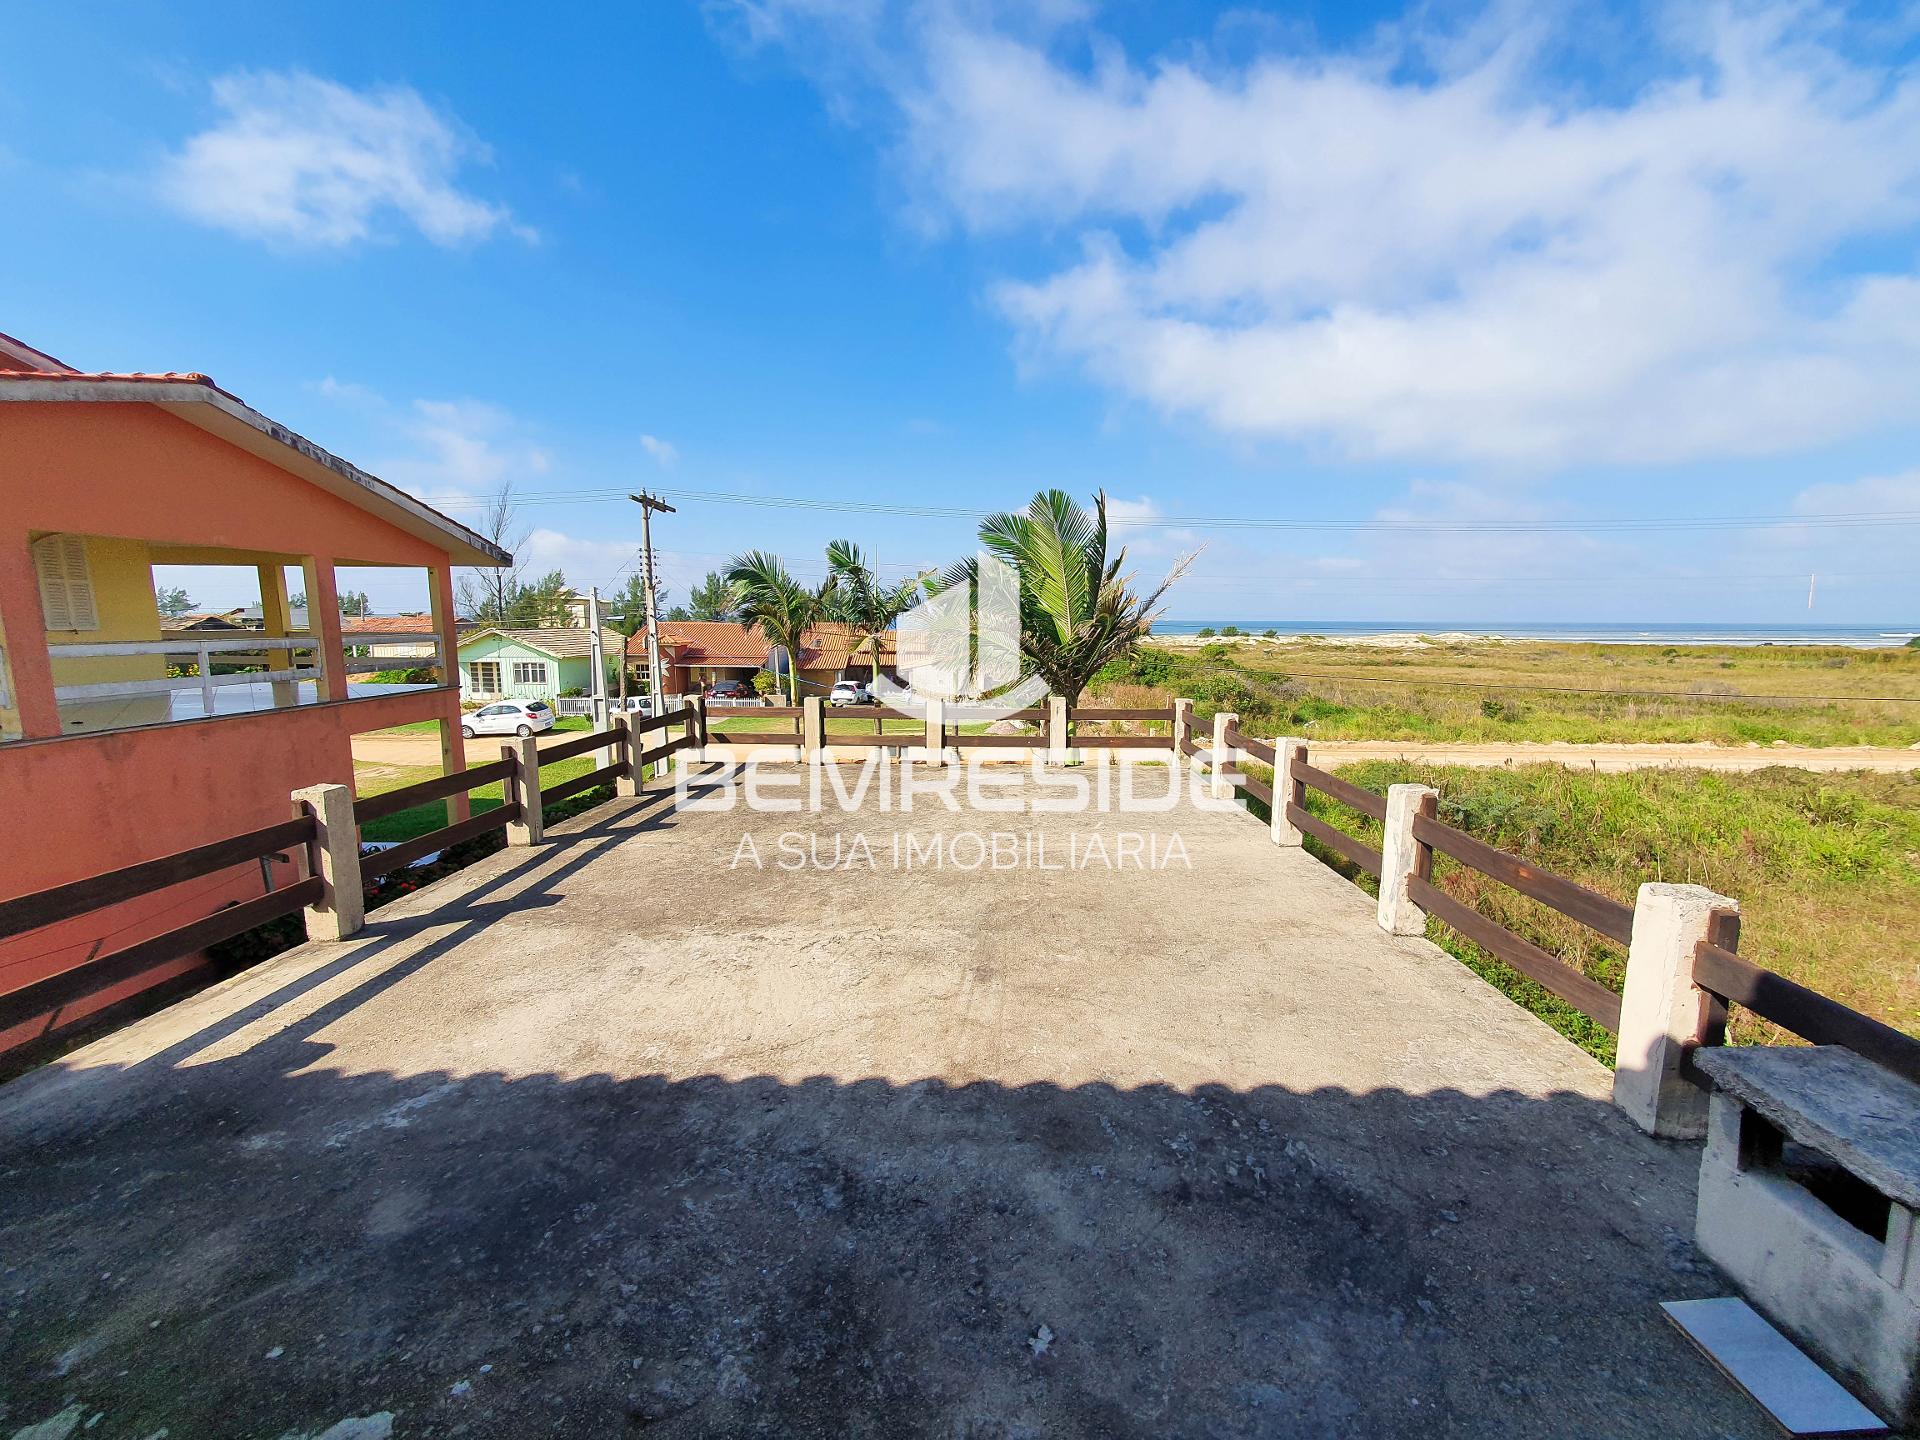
1182 730
624 749
342 907
1401 858
813 730
696 727
525 791
1057 752
1286 790
936 739
1663 1014
1222 787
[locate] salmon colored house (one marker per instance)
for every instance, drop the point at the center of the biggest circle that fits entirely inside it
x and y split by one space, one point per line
122 740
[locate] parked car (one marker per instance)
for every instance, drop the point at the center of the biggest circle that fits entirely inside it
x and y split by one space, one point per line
634 704
509 717
850 692
736 691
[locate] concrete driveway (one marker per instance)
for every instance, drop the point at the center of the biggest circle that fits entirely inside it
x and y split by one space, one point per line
628 1136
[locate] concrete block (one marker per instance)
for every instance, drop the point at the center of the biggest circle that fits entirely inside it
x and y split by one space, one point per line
813 730
1809 1271
1182 731
342 907
528 829
1399 854
1285 751
1221 760
935 742
1662 1012
625 749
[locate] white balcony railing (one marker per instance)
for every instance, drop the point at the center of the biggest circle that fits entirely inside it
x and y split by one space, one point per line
253 650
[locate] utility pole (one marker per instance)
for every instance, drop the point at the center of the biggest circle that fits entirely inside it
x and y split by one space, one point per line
597 659
648 504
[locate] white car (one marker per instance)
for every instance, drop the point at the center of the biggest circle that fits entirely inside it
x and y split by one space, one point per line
509 717
849 692
635 705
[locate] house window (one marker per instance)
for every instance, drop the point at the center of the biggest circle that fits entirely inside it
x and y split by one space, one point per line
484 676
66 585
529 672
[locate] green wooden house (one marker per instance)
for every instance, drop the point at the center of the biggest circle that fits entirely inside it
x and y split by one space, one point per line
497 664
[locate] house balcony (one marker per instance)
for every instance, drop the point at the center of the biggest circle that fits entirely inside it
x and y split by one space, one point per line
207 676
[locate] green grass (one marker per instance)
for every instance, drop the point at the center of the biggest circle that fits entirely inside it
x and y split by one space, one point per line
1493 692
1826 869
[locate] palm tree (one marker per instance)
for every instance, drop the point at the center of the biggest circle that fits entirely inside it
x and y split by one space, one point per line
860 600
777 605
1078 610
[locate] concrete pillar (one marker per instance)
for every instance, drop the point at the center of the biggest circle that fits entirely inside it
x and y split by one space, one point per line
323 623
446 634
1401 858
1285 750
1057 750
936 741
625 749
813 730
697 727
527 830
1663 1014
277 620
1221 787
342 907
1182 731
23 631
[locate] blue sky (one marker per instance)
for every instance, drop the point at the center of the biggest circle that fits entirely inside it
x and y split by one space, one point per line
1473 278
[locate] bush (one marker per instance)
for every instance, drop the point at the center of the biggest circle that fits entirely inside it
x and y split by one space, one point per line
1149 667
573 692
765 682
1215 651
1271 634
1232 630
419 675
1206 634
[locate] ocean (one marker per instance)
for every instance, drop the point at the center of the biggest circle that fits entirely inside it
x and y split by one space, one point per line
1604 632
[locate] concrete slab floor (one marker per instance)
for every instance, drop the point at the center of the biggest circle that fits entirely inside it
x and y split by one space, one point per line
620 1137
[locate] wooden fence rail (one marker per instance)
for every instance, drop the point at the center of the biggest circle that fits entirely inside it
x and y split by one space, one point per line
65 902
1807 1013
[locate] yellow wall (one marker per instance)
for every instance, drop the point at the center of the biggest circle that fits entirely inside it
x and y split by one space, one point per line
124 603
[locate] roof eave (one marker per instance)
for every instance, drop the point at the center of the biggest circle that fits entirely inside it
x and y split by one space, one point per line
219 413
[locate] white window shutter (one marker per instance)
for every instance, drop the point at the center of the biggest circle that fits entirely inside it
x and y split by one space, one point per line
66 584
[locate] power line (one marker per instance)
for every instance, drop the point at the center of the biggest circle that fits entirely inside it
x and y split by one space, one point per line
1835 520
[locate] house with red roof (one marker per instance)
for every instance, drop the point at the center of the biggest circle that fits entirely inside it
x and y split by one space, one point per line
125 737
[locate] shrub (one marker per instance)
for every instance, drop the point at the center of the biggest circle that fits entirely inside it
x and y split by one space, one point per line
765 682
419 675
1215 651
572 692
1232 630
1271 634
1150 667
1206 633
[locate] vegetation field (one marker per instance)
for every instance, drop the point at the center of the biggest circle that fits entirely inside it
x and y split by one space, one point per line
1826 869
1490 691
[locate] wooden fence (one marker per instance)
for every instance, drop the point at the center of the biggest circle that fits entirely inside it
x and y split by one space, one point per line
295 839
1717 969
81 897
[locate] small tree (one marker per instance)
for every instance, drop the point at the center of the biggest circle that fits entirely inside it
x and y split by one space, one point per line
778 606
765 683
173 601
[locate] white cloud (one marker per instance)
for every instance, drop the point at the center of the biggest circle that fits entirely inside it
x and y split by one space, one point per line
1485 265
662 452
456 452
306 161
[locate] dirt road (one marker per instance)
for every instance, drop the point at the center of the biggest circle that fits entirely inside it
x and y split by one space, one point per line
406 750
